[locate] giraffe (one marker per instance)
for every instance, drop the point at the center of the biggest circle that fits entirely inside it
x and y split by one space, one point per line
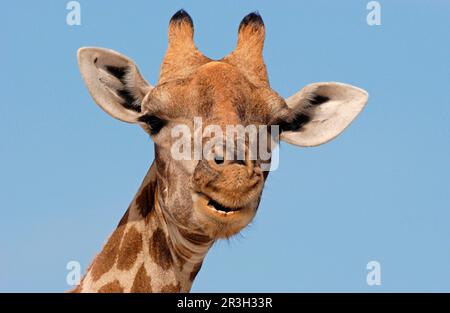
183 206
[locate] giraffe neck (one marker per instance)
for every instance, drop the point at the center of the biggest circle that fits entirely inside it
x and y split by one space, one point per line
147 252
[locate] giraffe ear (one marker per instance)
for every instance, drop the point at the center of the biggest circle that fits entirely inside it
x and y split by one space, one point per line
114 82
320 112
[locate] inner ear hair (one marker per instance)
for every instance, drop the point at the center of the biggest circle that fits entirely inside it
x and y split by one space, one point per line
124 75
294 122
294 119
316 99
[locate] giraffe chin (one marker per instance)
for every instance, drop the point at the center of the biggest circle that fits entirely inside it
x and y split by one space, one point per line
222 221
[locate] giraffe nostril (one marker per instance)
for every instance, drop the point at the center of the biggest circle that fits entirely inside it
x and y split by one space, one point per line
218 160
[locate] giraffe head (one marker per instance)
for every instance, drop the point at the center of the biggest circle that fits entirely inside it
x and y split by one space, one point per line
214 194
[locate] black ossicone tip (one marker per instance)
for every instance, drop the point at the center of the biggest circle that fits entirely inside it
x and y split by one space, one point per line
253 19
180 17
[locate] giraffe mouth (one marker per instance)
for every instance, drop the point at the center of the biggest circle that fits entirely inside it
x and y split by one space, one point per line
222 220
216 209
221 208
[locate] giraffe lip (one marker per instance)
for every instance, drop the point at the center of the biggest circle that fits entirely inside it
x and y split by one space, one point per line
221 208
208 207
216 208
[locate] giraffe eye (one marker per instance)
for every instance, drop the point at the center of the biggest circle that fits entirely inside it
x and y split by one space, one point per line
153 122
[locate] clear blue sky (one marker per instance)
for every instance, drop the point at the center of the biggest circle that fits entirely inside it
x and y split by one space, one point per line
379 192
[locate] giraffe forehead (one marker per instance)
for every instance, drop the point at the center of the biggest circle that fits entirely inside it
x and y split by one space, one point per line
216 91
220 72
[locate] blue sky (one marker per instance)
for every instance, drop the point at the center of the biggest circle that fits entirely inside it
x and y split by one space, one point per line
379 192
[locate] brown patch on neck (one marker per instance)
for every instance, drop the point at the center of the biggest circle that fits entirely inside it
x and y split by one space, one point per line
145 200
195 271
106 259
142 282
124 218
113 287
159 249
129 249
171 288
